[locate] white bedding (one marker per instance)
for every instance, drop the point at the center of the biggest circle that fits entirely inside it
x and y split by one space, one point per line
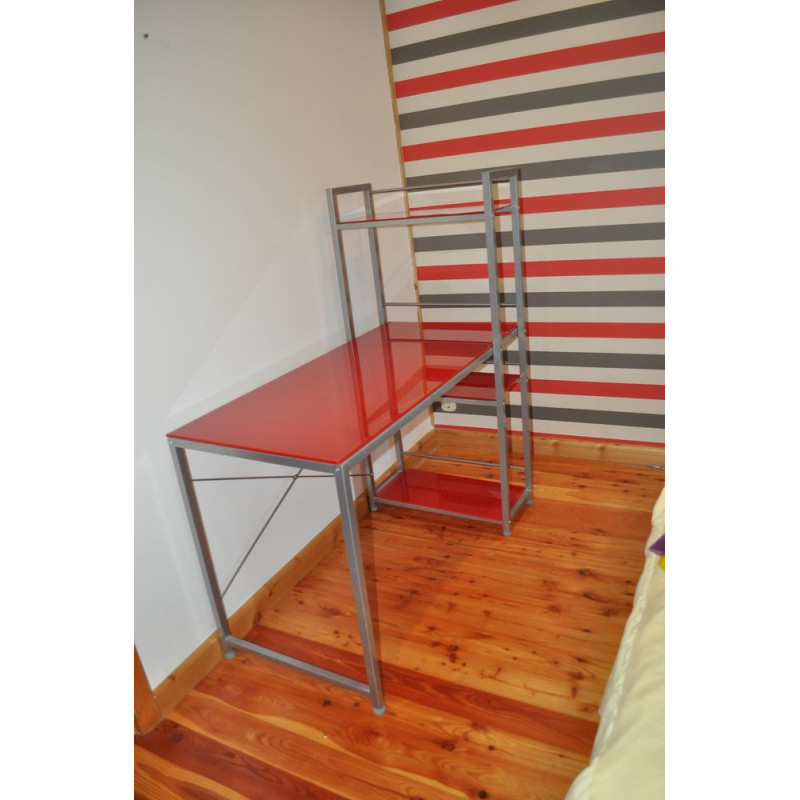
627 758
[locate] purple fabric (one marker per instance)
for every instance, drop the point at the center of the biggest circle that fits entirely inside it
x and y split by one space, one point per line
658 546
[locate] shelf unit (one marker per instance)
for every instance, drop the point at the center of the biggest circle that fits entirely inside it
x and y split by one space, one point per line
374 385
494 198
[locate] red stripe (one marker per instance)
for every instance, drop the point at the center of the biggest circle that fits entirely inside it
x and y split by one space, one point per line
639 391
546 134
433 11
578 201
589 266
634 391
541 269
598 330
579 330
539 62
613 198
452 272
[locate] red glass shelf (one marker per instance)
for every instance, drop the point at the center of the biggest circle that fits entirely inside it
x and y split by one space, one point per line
480 386
453 494
333 406
458 333
469 210
467 207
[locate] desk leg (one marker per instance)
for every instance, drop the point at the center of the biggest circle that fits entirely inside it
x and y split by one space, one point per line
369 470
356 567
201 544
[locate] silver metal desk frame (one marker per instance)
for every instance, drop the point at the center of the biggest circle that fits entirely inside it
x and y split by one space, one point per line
341 473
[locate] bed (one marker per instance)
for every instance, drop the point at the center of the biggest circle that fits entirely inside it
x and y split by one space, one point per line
627 759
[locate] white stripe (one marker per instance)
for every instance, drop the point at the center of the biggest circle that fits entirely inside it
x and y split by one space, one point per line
580 344
437 258
541 43
588 217
554 252
649 377
542 187
533 154
629 404
582 217
468 420
586 430
402 5
467 199
536 118
642 248
534 81
622 215
462 198
555 428
596 283
646 248
448 229
457 287
604 181
652 377
550 283
649 314
481 18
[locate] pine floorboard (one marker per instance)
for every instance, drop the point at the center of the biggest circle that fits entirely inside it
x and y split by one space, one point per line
494 654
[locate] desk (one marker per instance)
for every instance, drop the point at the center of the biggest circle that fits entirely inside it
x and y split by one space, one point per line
328 416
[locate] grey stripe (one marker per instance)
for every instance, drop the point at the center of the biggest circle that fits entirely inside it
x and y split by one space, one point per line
600 360
529 101
586 165
541 358
596 299
533 26
635 232
627 419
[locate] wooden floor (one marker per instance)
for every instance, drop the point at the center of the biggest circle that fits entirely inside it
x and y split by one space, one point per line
494 653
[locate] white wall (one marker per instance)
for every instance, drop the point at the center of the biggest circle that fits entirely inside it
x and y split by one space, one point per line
246 111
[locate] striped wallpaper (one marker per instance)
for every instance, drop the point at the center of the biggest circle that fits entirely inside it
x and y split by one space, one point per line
572 93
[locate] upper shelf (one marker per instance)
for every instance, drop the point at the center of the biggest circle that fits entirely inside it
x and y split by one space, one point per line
425 215
423 205
479 387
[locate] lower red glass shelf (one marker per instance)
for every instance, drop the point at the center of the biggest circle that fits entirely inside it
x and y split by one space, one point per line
452 494
480 386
